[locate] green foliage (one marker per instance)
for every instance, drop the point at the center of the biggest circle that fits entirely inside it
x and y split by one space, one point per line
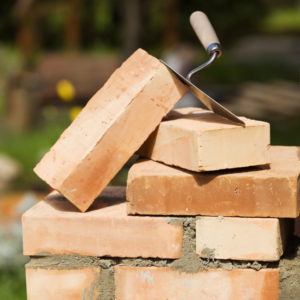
13 284
285 136
7 22
30 146
282 20
227 71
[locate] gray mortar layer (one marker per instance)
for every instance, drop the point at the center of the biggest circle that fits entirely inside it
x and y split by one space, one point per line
289 264
188 263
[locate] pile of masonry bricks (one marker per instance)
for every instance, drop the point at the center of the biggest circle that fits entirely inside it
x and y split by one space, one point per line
207 213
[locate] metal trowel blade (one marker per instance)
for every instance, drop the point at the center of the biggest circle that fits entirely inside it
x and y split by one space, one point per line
206 100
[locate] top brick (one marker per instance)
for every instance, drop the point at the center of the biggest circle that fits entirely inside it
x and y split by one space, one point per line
199 140
111 127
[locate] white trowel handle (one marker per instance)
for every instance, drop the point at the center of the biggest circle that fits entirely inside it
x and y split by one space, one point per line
205 33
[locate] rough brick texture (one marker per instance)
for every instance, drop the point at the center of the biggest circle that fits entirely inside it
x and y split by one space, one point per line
257 239
263 191
199 140
163 283
112 126
48 284
54 226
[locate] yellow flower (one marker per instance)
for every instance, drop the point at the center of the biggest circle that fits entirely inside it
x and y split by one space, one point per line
74 112
65 90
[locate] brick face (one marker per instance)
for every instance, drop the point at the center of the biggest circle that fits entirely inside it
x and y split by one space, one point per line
257 239
110 129
150 283
50 284
199 140
54 226
157 189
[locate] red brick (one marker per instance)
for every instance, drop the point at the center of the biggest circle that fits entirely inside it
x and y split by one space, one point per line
54 226
199 140
164 283
257 239
157 189
48 284
110 129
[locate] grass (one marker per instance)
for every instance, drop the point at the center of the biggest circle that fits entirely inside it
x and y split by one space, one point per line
283 20
29 147
13 284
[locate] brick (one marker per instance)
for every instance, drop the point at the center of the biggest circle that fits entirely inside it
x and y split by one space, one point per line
157 189
54 226
258 239
164 283
199 140
110 129
48 284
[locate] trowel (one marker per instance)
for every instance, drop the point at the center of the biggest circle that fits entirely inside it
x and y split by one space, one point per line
210 42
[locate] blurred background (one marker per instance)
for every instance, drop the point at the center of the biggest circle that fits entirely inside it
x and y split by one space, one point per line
54 56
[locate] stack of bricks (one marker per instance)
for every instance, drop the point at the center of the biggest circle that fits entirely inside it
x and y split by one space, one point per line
207 213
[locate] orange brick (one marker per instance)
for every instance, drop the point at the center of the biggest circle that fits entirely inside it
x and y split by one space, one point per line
54 226
258 239
62 284
199 140
164 283
157 189
110 129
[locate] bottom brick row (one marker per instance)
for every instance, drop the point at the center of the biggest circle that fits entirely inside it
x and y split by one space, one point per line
137 283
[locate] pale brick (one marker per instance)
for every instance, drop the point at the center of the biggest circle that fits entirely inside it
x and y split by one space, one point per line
112 126
258 239
54 284
199 140
164 283
54 226
263 191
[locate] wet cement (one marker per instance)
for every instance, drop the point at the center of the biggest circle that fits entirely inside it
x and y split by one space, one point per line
189 263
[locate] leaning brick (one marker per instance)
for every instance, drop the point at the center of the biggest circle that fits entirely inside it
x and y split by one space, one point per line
111 127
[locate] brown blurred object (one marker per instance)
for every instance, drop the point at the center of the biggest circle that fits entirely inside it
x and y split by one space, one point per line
23 98
171 34
86 72
30 12
9 170
276 100
72 30
132 18
28 91
12 205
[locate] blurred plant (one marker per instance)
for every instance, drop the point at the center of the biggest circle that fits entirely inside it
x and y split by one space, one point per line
282 20
13 284
65 90
30 146
7 22
49 112
74 112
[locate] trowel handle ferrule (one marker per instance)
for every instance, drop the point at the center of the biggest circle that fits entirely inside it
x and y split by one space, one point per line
205 33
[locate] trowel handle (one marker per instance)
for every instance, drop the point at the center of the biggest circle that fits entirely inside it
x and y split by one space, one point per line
205 32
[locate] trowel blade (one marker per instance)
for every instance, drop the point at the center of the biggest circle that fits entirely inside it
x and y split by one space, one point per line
206 100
